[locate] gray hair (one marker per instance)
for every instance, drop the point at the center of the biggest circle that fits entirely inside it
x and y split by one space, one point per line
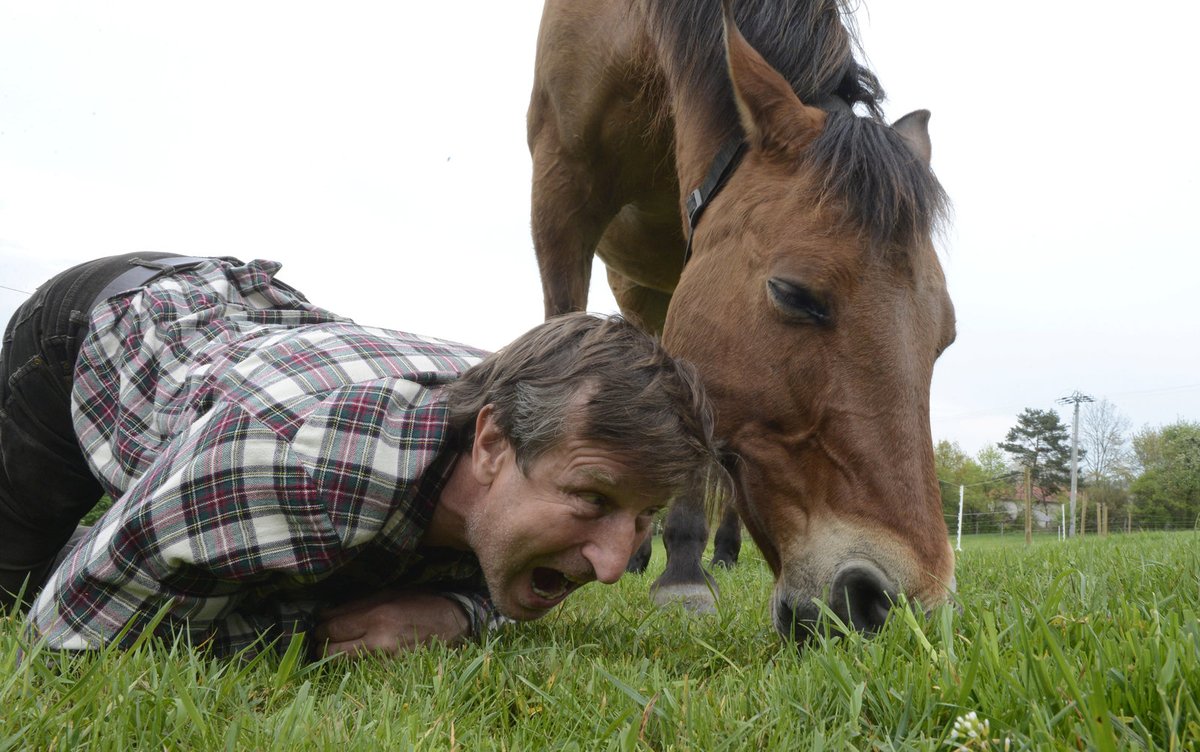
602 380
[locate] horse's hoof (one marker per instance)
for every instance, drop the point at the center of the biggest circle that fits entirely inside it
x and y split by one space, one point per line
725 562
699 599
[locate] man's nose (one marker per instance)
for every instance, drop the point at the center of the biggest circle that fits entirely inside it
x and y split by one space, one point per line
609 550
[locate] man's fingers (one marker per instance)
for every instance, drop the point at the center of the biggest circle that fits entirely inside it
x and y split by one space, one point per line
390 624
357 648
347 628
344 649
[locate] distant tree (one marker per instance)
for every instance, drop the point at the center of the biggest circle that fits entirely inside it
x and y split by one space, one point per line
1147 449
980 484
1039 442
1103 433
1112 493
995 467
954 468
1169 485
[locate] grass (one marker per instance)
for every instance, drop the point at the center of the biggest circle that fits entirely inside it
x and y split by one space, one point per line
1091 644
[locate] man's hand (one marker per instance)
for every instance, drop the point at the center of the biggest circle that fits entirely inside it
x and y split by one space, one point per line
389 622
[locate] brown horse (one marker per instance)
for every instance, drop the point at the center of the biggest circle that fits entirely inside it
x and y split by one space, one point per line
813 302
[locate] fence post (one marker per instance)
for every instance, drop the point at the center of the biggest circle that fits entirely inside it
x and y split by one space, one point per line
1082 514
1028 507
958 545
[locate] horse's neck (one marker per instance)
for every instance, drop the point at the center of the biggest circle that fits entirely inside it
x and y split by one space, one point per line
696 143
697 134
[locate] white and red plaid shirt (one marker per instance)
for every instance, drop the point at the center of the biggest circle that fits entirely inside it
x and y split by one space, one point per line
266 457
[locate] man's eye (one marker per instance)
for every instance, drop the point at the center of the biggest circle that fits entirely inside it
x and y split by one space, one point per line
594 499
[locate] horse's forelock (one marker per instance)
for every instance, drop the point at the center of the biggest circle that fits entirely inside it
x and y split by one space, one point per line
890 194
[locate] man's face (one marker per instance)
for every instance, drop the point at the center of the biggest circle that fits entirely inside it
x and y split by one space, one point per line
577 516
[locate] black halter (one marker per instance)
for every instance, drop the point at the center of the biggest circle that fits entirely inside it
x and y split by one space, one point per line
726 162
723 165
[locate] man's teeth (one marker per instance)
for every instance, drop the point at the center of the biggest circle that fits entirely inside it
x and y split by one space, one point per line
550 586
548 594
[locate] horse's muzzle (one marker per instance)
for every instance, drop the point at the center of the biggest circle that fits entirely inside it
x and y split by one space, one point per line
860 595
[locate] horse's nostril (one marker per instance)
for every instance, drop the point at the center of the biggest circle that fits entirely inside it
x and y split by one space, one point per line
862 596
798 624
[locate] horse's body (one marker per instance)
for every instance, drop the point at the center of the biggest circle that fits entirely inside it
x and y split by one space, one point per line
813 304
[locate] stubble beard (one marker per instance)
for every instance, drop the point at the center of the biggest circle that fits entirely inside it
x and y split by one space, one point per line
490 547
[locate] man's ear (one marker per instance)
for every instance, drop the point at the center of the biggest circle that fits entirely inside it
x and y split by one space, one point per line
490 448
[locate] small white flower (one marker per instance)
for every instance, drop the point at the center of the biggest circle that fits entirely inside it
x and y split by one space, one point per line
972 730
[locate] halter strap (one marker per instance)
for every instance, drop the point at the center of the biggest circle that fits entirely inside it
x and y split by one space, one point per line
723 165
726 162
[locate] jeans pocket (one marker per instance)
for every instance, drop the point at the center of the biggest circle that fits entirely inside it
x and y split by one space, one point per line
39 403
47 482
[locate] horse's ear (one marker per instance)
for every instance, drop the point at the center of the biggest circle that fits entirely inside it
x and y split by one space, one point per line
774 118
914 129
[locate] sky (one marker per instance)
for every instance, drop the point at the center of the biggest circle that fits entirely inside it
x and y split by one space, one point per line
378 151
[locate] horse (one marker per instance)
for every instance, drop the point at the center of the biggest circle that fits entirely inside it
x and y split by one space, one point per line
732 169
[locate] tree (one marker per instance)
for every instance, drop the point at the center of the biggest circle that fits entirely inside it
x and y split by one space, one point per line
954 468
983 480
995 468
1147 448
1039 442
1112 493
1169 486
1102 434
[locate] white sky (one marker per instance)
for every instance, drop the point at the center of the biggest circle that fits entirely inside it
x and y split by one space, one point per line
378 151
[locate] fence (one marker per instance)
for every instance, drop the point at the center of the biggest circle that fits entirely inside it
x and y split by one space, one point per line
1049 519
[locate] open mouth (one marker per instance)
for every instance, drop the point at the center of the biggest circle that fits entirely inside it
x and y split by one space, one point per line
552 585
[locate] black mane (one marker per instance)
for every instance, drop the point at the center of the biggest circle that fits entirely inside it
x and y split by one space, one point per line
893 196
810 42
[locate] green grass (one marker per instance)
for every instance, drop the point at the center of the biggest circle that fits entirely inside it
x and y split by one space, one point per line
1091 644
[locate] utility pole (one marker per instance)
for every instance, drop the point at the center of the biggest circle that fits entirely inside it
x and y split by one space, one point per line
1075 397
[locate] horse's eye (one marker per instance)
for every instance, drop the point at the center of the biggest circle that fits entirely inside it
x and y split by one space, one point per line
796 302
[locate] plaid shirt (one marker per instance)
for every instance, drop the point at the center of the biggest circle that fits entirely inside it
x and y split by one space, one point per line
266 456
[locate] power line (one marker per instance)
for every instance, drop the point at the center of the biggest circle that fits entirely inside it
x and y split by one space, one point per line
13 289
1006 410
1180 388
997 479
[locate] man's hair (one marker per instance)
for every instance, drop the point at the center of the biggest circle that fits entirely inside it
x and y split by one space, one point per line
601 380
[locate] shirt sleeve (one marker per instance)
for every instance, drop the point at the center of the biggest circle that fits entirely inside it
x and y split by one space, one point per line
218 531
480 611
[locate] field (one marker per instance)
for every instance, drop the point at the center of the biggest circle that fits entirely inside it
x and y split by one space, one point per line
1091 644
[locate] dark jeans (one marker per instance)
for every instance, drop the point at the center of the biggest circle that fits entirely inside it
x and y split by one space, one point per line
46 486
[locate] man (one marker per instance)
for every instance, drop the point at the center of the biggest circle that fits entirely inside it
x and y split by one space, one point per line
278 469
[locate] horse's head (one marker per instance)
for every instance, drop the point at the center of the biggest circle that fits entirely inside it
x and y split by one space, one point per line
815 307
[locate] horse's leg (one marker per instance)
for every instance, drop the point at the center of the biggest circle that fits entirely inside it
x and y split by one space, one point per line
684 580
685 533
641 557
643 306
567 220
728 542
